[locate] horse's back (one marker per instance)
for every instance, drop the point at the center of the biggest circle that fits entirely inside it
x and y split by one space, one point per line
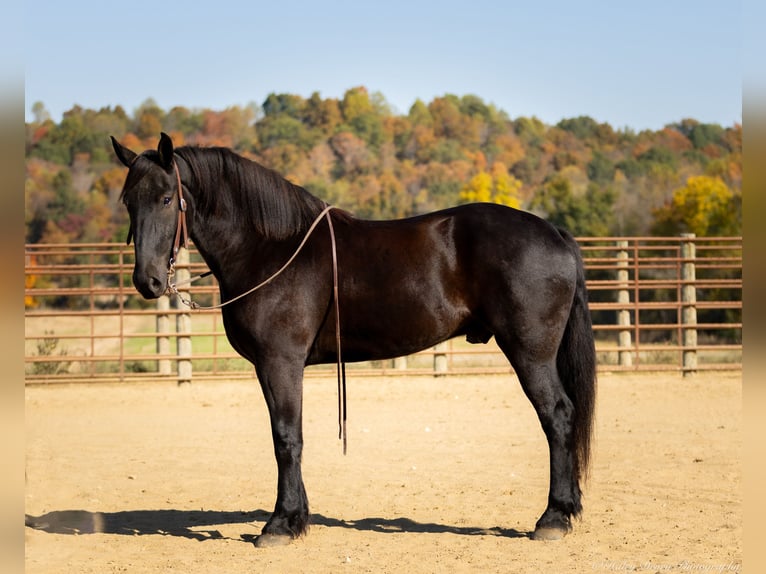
471 246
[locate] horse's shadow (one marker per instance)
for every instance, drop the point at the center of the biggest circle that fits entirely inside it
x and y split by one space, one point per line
200 524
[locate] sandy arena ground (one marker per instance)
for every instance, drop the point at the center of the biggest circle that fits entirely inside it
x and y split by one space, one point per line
441 475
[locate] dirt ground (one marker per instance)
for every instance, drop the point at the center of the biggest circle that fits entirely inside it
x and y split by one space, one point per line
441 475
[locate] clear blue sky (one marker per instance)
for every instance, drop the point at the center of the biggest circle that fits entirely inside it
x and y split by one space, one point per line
638 64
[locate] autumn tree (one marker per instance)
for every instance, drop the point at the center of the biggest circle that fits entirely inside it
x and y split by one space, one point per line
353 155
600 168
291 120
148 120
704 206
589 214
450 124
321 115
363 115
495 186
184 121
355 152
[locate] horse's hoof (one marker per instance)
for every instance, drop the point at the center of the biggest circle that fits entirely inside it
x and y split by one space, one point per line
271 540
549 533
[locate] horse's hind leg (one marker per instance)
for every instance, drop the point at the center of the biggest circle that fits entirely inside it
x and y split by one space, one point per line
540 380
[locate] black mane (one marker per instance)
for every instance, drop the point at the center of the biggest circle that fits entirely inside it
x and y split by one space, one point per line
225 181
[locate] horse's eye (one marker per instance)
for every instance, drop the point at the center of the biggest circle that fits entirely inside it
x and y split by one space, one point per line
167 200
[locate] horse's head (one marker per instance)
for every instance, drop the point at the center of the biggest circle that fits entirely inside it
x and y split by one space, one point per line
154 198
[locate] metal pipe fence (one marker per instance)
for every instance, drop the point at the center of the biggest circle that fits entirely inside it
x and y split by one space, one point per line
657 303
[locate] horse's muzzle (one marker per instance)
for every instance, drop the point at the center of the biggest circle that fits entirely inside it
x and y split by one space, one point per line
150 283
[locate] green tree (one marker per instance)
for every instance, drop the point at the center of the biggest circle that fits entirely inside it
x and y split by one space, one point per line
631 168
279 104
40 112
703 135
590 214
420 115
322 115
182 120
659 155
362 115
282 130
530 130
600 169
292 120
65 201
583 127
65 140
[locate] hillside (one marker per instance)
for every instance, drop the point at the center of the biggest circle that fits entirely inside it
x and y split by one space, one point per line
358 154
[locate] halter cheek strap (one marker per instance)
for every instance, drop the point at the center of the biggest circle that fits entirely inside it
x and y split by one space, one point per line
182 232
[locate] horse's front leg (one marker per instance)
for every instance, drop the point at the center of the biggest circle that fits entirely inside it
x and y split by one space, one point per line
282 384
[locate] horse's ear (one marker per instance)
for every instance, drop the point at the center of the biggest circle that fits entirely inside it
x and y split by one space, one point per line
165 149
126 156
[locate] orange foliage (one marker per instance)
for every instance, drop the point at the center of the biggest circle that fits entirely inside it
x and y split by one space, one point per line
131 141
673 140
510 147
29 282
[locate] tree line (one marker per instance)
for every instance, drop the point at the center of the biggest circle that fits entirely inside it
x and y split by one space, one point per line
358 154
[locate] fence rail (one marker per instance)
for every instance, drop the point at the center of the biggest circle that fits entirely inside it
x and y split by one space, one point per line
667 303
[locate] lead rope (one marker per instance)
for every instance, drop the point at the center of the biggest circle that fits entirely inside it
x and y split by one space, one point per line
341 365
173 289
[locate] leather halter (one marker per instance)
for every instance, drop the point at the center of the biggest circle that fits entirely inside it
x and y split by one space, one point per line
181 228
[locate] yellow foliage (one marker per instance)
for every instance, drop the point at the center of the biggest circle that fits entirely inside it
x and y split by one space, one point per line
705 206
479 188
702 202
507 187
498 186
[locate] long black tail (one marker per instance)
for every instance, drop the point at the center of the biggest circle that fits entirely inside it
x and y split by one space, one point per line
576 364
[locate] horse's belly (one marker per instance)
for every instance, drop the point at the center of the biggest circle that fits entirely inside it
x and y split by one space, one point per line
384 330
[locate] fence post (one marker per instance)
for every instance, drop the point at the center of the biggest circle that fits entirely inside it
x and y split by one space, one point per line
163 341
400 363
183 321
624 342
689 303
440 358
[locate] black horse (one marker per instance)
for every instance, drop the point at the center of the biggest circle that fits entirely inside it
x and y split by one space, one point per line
478 271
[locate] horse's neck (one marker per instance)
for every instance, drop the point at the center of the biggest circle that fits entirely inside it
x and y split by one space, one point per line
235 253
229 242
218 240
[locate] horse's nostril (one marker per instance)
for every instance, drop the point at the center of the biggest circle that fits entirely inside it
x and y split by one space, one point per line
157 285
